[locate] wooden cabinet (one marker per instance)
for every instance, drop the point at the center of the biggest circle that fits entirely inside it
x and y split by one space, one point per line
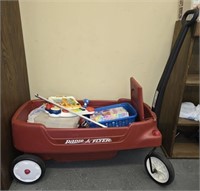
183 86
14 82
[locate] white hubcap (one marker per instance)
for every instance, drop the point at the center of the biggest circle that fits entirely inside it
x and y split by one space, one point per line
27 171
160 172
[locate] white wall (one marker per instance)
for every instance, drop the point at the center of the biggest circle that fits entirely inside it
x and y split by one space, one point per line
90 48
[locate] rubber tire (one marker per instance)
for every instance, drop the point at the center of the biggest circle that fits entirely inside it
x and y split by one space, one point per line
30 157
167 164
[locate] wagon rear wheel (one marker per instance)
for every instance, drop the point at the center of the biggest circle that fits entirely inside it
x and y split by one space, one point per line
28 168
159 168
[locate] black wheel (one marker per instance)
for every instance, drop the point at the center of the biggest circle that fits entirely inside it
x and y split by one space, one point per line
27 168
162 170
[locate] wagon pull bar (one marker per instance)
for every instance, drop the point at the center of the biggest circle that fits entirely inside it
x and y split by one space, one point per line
60 106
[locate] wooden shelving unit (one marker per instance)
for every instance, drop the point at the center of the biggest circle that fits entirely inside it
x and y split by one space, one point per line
192 80
180 136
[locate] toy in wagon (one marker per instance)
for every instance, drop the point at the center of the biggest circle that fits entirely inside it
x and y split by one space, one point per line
69 111
52 115
68 102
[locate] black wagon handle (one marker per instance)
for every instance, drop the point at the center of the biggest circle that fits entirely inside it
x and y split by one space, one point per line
194 12
160 90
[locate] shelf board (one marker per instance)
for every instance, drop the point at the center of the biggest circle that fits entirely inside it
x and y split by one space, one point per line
192 80
187 122
186 150
185 147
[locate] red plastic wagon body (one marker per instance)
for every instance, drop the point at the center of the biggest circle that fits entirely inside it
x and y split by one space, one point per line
40 143
69 144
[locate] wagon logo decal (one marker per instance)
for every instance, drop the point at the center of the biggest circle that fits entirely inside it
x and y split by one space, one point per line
84 141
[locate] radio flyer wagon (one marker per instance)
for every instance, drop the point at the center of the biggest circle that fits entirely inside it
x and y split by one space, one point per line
40 143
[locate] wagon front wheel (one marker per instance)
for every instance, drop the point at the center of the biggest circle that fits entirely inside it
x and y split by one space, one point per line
159 168
28 168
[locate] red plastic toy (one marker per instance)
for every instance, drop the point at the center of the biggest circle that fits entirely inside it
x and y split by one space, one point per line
40 143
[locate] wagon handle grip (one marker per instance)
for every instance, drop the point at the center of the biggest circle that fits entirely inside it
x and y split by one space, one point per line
194 12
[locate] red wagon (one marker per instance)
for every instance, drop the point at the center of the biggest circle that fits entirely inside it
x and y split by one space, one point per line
40 143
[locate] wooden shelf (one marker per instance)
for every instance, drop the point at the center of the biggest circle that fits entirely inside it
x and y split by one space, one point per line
182 86
192 80
187 122
185 150
185 147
